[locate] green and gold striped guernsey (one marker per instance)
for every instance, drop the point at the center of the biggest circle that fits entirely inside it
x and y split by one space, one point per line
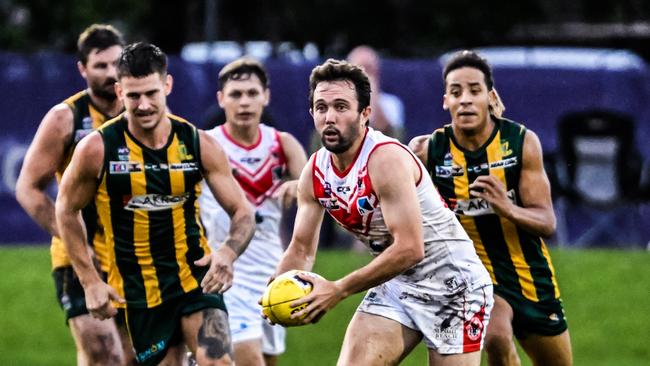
147 202
86 118
518 261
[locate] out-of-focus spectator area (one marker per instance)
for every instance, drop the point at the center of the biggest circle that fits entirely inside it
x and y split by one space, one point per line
590 108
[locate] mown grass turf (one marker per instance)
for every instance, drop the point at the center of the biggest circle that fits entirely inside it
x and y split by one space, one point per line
606 295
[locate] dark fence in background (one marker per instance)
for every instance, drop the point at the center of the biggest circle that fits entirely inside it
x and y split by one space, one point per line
538 96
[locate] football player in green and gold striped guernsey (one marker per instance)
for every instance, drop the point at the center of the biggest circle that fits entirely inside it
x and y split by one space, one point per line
98 49
144 170
489 170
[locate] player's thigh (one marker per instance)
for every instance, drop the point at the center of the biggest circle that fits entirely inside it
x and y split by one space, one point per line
459 359
207 334
125 339
375 340
549 350
175 356
98 339
500 327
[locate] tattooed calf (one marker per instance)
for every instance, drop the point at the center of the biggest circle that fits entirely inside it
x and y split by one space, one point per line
214 334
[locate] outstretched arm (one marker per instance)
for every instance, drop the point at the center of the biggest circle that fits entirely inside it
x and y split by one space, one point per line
77 189
229 195
536 211
44 156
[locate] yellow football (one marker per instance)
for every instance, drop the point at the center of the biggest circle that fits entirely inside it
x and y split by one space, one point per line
281 292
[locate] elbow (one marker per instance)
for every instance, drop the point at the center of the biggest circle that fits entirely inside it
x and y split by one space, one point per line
22 192
549 227
21 196
413 256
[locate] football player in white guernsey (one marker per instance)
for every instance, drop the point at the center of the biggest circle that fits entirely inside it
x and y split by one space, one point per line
266 163
426 282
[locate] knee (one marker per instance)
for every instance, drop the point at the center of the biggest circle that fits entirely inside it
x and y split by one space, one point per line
497 339
103 349
499 344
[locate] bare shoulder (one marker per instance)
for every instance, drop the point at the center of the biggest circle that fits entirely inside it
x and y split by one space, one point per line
290 144
390 152
213 156
286 137
91 147
419 145
59 121
390 161
208 142
532 148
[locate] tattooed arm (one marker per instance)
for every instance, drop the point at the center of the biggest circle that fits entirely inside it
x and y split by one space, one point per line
230 196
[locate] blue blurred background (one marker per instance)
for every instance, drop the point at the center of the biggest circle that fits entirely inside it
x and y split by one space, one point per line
580 62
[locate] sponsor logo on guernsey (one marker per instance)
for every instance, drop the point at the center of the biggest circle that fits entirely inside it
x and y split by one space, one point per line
250 160
153 350
86 129
126 167
343 189
327 188
123 153
155 202
360 184
79 134
364 206
445 171
186 166
478 206
182 152
329 203
87 123
505 148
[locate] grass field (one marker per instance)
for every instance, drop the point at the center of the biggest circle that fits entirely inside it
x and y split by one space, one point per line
606 296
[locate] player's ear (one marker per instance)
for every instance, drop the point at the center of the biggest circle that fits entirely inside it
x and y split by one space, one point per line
267 96
445 106
118 90
82 69
220 97
169 83
365 113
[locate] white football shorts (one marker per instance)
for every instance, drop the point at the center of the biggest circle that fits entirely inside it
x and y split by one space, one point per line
449 325
246 322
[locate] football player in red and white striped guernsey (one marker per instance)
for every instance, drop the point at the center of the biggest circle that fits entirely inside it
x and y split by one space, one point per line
425 282
266 163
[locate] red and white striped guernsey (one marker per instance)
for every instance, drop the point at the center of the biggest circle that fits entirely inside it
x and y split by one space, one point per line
259 170
450 264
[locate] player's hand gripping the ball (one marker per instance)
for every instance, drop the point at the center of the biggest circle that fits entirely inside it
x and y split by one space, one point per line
323 297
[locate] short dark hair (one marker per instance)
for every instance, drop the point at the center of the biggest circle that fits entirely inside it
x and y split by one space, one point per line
141 59
467 58
242 69
97 36
337 70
